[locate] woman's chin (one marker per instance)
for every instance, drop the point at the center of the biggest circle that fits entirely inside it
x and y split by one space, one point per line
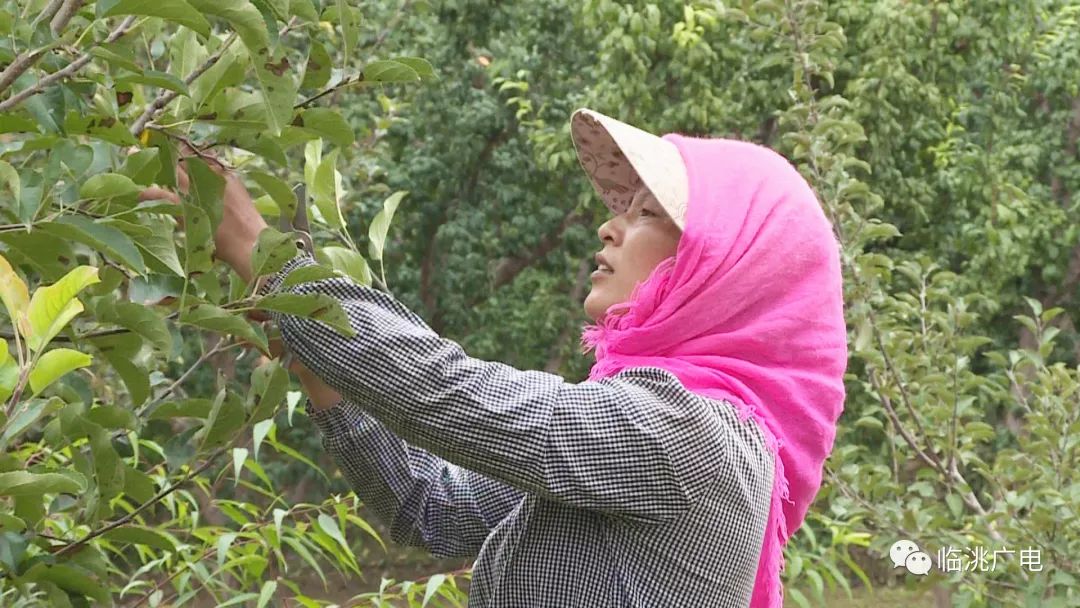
593 309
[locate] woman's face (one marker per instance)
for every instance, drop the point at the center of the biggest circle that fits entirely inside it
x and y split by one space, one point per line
634 243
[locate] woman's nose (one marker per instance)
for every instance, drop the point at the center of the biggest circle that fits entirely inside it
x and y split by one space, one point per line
607 230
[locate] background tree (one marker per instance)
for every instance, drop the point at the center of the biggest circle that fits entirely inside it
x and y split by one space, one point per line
941 138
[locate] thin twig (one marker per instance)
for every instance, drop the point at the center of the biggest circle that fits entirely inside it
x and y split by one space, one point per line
219 347
374 46
66 72
166 96
130 516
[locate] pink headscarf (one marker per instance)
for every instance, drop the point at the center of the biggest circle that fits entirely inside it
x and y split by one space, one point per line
750 310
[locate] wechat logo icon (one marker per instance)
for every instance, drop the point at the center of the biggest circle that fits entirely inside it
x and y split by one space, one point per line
907 554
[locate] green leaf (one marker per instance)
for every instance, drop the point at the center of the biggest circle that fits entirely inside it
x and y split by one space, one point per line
207 188
226 418
278 190
318 306
102 237
421 66
70 579
328 124
111 417
12 548
318 68
120 350
141 535
9 375
198 241
267 592
177 11
143 166
381 224
108 467
196 407
304 274
29 412
432 587
159 246
54 364
272 250
279 515
135 377
956 506
53 306
116 55
312 158
162 80
108 185
279 89
330 527
23 483
349 31
327 190
259 431
9 181
48 255
208 316
292 399
347 261
304 9
139 319
239 456
269 383
243 17
388 70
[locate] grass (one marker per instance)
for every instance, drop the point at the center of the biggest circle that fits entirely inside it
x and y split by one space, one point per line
882 597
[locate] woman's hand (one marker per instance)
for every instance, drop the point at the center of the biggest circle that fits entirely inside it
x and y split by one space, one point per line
240 225
321 394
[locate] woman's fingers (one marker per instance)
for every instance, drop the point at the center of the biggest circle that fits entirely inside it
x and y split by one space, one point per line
156 194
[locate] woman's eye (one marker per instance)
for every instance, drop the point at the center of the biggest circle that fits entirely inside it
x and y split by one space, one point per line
644 210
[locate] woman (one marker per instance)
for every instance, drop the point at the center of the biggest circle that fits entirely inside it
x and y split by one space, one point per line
674 475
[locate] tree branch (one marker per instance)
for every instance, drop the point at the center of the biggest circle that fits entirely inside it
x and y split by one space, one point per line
46 13
427 264
64 15
66 72
375 45
556 358
18 66
166 96
156 498
509 268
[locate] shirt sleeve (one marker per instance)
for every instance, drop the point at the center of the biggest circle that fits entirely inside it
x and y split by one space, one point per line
423 500
637 445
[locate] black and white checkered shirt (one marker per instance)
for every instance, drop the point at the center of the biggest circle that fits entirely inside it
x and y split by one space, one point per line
628 491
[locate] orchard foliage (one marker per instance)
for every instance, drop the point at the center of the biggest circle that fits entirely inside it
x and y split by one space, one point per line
942 139
105 453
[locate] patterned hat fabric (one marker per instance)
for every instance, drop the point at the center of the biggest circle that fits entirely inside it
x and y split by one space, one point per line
619 159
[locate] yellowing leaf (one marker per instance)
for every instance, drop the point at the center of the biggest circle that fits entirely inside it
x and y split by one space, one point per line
52 307
12 291
54 364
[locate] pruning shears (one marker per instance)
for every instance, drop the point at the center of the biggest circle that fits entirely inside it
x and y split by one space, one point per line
296 219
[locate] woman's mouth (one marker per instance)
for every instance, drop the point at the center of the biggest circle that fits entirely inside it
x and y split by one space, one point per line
603 270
